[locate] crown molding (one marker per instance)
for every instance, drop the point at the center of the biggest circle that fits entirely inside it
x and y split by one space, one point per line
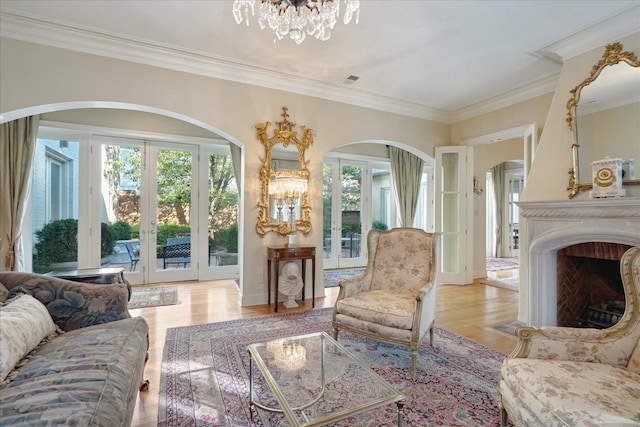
34 30
520 94
600 34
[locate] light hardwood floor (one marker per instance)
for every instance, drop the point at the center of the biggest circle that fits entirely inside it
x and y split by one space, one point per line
471 311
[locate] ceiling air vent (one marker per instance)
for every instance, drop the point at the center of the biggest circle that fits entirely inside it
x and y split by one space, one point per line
351 80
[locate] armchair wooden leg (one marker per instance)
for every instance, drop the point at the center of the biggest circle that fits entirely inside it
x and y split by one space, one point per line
335 334
504 417
431 335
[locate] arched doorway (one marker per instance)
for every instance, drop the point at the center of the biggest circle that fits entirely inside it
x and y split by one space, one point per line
83 138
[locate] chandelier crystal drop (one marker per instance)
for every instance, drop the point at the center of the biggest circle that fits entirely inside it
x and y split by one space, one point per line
297 18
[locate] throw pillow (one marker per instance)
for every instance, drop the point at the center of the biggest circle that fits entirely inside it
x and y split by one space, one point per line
24 322
634 362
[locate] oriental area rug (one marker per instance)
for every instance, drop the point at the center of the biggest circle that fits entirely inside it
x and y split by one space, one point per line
331 278
498 264
205 375
153 296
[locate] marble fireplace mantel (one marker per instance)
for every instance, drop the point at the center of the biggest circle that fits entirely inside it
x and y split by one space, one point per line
551 226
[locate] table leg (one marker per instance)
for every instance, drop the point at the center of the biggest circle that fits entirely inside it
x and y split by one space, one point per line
269 282
304 281
400 413
275 302
313 282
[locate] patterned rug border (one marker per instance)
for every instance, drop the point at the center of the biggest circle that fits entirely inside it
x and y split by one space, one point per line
455 385
168 296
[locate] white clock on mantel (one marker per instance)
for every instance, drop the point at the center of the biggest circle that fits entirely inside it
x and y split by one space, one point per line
607 178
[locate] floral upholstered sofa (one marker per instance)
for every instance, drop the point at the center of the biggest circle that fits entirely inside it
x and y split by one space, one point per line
70 353
558 376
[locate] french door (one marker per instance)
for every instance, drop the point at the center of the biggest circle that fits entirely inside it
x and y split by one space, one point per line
150 186
344 214
454 213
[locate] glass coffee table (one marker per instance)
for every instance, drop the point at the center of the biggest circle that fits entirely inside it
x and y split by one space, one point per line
316 381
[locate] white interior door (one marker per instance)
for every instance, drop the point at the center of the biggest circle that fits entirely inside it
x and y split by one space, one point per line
454 213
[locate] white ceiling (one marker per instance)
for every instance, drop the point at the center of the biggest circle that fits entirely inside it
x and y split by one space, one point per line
440 60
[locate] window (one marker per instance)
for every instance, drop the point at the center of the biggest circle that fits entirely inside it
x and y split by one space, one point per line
57 182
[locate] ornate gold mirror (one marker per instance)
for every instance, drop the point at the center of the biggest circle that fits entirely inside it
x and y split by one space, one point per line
284 175
602 114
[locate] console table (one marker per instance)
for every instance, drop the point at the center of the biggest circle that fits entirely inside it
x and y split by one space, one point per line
103 276
291 253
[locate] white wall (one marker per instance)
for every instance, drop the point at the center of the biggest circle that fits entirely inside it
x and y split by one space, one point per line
549 172
36 79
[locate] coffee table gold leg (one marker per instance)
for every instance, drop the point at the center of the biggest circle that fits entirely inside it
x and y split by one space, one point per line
400 413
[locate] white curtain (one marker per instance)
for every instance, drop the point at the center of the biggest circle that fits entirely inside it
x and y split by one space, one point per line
497 173
406 170
236 157
17 149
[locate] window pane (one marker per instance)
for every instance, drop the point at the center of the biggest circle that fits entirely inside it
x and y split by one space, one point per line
223 211
351 177
381 203
121 183
55 205
327 205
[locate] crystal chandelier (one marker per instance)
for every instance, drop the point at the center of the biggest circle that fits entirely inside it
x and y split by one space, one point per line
297 18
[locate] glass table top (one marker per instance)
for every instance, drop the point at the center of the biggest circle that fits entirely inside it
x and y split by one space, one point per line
316 381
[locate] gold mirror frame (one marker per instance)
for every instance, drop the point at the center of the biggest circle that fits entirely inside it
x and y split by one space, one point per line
286 136
613 55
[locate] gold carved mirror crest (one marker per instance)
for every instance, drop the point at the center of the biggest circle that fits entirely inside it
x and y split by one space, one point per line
284 204
602 116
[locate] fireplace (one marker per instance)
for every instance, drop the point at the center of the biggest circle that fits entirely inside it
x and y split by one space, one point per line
573 237
589 285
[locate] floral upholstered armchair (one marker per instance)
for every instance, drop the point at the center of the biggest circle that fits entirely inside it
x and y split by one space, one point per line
558 376
394 299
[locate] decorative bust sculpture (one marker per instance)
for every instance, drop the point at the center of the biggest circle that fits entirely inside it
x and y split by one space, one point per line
290 283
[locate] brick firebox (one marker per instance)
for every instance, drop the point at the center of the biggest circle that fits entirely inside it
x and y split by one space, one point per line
589 284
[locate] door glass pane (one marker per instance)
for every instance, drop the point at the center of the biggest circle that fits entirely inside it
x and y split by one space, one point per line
351 177
223 212
120 210
172 224
449 172
327 205
55 205
450 253
450 205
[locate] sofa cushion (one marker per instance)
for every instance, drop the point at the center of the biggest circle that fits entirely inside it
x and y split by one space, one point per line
559 393
634 361
24 323
89 377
